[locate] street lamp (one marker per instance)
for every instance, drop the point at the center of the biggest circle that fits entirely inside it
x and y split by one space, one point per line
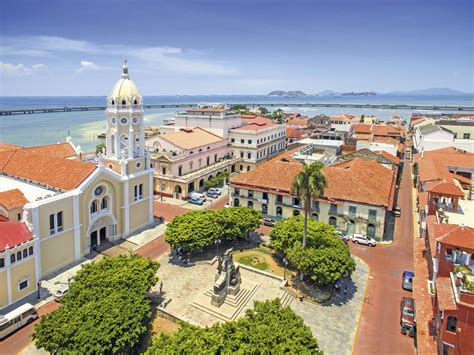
162 189
218 241
39 287
285 262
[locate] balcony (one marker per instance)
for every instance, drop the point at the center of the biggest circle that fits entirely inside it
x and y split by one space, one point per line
463 285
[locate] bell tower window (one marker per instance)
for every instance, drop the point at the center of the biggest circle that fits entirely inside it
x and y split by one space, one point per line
113 102
135 102
123 102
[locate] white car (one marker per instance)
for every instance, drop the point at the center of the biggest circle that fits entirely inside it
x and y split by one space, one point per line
363 239
214 190
60 293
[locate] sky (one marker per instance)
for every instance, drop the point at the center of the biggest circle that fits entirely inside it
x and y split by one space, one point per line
76 48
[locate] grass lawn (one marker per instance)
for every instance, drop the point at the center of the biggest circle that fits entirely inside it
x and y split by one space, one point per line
259 260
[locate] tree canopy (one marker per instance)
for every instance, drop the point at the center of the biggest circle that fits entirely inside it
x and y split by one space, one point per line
106 309
201 228
266 329
325 259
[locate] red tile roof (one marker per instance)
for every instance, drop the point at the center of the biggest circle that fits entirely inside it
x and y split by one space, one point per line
12 199
445 294
52 171
356 180
13 234
294 133
59 150
395 160
361 128
255 123
298 122
459 237
3 218
446 188
4 147
416 121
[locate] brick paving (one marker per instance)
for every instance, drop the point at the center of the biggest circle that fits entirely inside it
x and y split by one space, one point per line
379 327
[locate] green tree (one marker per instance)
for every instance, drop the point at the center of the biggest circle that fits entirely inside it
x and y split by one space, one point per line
266 329
100 147
194 230
263 110
325 258
242 109
324 265
237 222
105 311
308 185
278 116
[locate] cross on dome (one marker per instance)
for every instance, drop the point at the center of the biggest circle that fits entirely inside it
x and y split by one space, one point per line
125 69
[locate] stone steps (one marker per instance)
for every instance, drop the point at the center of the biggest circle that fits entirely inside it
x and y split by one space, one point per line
286 299
232 306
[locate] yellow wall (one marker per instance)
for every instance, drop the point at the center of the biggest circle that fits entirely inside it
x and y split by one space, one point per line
3 288
19 272
65 205
57 252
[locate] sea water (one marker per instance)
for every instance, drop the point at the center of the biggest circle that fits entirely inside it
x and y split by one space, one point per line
85 126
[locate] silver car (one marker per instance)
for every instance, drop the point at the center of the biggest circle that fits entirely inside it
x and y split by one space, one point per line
363 239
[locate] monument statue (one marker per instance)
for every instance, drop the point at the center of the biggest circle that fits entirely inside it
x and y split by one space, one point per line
226 279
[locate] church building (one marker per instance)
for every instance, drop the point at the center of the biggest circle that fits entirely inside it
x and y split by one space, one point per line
57 208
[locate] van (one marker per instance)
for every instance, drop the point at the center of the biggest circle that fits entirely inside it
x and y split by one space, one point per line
16 319
197 196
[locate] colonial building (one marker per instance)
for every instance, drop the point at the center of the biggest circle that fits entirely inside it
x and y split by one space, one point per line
186 159
74 206
257 139
358 198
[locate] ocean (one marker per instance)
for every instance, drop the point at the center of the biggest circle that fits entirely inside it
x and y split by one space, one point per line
84 127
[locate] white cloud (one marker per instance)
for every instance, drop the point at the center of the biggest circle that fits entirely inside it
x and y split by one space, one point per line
87 66
20 69
157 57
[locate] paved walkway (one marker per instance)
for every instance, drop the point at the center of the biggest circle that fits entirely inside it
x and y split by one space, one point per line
379 329
334 323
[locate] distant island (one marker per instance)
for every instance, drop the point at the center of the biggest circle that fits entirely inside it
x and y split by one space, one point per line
421 92
296 93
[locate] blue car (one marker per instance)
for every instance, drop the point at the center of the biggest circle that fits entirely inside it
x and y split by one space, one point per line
407 280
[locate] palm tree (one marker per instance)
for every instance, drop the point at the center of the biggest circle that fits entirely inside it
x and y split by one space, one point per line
308 185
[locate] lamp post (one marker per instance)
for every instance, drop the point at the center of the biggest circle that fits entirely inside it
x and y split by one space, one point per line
218 241
285 263
162 189
39 287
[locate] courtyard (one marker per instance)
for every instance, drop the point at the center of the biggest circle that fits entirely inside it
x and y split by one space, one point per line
187 288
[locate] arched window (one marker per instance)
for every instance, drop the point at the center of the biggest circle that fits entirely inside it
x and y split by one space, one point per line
112 143
135 102
315 216
452 323
370 230
104 204
279 211
264 208
332 221
94 206
236 202
296 212
250 204
113 102
18 256
123 102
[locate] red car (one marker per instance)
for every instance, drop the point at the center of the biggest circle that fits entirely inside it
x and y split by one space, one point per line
407 312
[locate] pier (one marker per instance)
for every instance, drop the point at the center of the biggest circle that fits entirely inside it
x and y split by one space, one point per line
440 108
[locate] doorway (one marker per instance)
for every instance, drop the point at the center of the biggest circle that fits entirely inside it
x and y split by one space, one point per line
102 234
93 239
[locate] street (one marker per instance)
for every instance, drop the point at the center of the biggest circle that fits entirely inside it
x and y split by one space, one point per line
379 327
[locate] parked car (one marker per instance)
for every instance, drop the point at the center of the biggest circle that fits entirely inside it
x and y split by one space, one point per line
407 280
214 190
407 312
342 235
60 293
397 212
363 239
197 196
196 201
212 194
268 222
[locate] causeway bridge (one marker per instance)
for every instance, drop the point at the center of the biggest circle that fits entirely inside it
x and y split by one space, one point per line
440 108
